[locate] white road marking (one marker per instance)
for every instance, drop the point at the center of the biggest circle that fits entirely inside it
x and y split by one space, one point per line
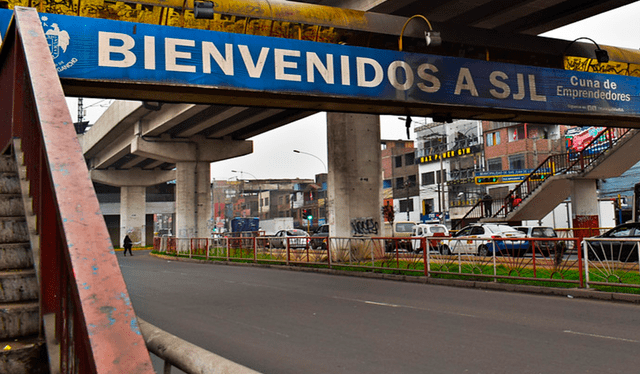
601 336
382 304
378 303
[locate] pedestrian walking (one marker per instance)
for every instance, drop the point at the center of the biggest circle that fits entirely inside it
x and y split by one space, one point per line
517 201
487 200
127 245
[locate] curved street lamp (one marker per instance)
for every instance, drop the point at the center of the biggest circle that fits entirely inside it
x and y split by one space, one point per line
326 213
312 155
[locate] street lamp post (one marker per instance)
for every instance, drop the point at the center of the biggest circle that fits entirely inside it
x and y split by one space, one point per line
407 185
326 214
259 188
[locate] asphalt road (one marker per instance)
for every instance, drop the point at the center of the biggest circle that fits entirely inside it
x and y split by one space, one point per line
279 321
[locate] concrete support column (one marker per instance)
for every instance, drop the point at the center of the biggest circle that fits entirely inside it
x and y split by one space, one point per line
132 214
584 203
355 178
193 199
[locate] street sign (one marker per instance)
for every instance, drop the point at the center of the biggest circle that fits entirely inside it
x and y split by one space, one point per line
106 50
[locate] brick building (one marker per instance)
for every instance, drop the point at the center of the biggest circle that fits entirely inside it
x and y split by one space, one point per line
400 178
513 147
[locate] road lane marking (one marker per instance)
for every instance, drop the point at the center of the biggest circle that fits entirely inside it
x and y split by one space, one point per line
601 336
382 304
378 303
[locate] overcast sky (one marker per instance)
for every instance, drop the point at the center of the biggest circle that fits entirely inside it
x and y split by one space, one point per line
273 155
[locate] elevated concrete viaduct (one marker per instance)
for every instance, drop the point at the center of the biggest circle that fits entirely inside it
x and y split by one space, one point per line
160 134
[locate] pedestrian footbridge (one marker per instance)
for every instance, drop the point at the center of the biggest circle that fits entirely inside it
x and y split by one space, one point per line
238 90
612 152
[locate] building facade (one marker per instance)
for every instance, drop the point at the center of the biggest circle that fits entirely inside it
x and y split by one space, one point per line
449 155
513 150
400 178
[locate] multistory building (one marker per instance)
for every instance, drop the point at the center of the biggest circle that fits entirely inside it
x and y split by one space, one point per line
400 178
448 155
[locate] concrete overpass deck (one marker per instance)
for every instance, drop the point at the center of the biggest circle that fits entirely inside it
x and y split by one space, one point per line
121 139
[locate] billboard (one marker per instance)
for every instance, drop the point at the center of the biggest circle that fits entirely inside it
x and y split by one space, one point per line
106 50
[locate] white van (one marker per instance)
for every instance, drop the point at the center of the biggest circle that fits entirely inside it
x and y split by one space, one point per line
428 230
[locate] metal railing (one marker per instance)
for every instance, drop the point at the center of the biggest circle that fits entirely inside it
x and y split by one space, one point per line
536 261
567 163
186 356
612 262
80 284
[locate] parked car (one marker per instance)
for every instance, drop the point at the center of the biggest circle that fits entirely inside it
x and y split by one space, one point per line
428 230
601 247
480 238
297 239
319 237
403 230
546 248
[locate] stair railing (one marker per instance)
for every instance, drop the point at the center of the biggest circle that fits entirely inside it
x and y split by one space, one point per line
565 163
95 328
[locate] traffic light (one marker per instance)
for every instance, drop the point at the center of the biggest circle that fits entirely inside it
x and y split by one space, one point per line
306 214
537 177
487 180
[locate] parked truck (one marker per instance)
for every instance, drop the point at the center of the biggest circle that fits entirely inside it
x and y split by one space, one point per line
271 226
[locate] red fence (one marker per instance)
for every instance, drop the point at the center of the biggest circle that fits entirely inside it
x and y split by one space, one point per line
558 260
80 281
565 260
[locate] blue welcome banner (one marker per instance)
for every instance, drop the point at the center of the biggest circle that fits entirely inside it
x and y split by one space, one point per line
97 49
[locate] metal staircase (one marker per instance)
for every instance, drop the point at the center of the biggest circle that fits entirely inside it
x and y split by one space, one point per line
22 347
609 154
76 296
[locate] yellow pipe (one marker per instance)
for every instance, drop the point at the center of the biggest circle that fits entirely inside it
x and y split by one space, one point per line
405 26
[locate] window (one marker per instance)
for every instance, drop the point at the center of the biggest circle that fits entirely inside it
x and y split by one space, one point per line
404 204
516 162
409 158
493 138
428 178
516 133
398 161
411 180
494 164
400 182
427 206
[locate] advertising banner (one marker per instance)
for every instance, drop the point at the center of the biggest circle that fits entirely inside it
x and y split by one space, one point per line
99 49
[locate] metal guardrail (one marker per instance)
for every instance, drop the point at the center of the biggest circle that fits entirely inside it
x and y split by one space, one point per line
531 260
612 262
81 285
186 356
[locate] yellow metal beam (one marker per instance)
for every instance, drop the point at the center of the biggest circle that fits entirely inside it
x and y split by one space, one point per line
264 17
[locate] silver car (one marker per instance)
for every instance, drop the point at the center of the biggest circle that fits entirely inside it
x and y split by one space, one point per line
295 238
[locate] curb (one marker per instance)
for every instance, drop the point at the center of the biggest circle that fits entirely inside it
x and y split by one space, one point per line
578 293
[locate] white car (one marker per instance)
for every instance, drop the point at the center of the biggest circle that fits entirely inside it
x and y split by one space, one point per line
295 238
480 239
423 230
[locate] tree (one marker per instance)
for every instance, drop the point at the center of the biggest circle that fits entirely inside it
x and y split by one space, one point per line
388 213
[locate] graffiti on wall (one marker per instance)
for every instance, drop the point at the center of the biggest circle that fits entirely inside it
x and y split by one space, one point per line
364 226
